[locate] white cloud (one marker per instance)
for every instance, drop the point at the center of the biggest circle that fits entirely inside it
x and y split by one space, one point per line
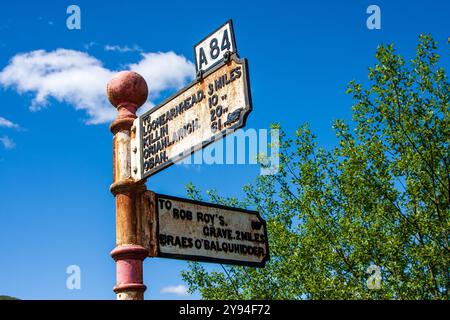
7 142
68 76
122 48
180 290
8 124
164 70
78 79
89 45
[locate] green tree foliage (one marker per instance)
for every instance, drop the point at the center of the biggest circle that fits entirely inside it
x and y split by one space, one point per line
7 298
380 197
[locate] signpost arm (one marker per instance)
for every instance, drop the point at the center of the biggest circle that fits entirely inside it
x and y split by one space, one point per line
127 91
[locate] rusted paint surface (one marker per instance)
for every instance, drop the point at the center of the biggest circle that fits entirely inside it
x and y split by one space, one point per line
147 222
125 220
130 295
127 91
122 161
127 88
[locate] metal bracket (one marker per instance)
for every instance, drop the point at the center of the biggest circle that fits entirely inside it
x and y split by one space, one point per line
147 224
136 172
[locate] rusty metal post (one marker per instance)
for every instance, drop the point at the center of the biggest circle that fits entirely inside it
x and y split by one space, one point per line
127 91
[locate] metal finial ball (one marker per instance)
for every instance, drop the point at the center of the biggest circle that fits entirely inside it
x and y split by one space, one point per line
127 87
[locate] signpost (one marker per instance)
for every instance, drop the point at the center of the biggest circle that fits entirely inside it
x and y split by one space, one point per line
204 111
199 231
217 103
212 48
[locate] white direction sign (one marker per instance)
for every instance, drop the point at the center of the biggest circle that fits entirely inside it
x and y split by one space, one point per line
200 231
211 50
204 111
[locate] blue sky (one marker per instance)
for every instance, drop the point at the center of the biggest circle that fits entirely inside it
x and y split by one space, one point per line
55 146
